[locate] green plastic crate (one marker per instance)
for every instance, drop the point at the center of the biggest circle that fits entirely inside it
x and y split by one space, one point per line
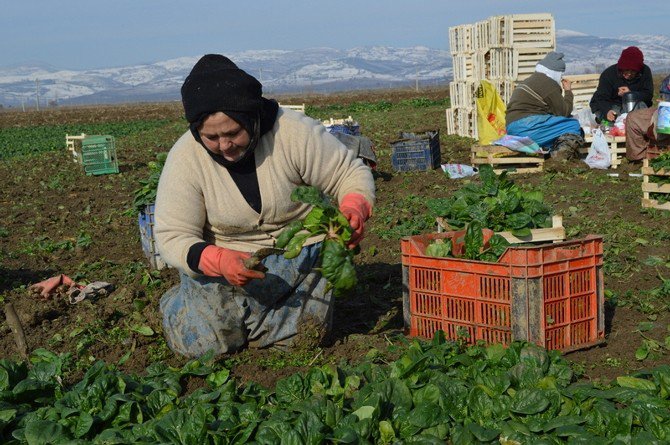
98 154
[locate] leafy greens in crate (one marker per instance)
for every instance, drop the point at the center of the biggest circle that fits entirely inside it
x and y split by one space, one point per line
146 194
475 247
496 202
661 162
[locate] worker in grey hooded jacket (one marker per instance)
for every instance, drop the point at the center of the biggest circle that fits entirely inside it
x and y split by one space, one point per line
541 110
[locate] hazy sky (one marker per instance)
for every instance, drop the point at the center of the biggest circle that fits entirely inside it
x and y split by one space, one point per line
80 34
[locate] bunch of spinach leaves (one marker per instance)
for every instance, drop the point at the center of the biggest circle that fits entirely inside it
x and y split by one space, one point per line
496 202
475 248
146 194
335 259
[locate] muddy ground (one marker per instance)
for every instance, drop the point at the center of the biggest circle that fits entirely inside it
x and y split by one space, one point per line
48 206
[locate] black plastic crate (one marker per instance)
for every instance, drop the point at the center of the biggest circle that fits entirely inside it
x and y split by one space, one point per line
416 151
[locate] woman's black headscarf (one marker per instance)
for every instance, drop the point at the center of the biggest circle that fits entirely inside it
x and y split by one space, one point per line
216 84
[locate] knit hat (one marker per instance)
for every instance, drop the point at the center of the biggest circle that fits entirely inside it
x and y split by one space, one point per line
553 61
631 59
216 84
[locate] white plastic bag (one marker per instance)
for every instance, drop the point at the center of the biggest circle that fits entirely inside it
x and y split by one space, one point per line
457 171
599 152
587 120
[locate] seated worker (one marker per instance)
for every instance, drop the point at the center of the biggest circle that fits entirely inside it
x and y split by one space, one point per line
224 193
629 74
641 128
539 109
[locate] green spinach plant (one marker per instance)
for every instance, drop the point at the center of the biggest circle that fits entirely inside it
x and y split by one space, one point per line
661 162
146 194
436 392
496 202
335 259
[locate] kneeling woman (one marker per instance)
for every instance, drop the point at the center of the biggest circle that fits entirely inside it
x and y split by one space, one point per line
225 192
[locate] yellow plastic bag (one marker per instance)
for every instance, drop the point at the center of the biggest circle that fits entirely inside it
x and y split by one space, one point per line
490 113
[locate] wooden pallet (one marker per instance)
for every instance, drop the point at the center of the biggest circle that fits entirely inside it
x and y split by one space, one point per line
345 121
617 148
300 108
73 144
555 233
504 159
652 187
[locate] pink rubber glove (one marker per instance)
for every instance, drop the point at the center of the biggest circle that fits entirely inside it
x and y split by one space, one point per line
219 262
357 210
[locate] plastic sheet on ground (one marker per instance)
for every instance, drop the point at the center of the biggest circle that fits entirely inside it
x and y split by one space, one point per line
457 171
521 144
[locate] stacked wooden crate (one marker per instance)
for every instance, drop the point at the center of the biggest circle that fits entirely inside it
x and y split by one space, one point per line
501 49
583 87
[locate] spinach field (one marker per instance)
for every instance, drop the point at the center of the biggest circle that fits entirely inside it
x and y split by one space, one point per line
99 371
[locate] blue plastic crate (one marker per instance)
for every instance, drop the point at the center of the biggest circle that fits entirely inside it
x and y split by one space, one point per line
416 151
354 130
146 223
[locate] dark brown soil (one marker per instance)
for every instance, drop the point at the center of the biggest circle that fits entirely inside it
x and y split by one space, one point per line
46 199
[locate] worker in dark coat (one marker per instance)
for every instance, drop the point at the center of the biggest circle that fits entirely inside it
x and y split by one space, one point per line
629 74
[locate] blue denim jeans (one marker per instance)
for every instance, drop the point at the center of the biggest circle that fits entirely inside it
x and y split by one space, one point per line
205 313
544 129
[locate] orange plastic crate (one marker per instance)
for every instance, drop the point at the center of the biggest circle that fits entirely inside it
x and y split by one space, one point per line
550 294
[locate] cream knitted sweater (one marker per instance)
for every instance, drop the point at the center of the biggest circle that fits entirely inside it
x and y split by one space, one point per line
198 201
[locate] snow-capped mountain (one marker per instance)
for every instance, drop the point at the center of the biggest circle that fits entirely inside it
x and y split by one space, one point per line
589 54
310 70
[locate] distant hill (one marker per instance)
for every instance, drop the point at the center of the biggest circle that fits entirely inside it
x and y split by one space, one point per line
310 70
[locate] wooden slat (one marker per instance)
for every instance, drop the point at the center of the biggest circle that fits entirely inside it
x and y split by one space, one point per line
504 159
507 160
652 203
492 149
513 169
300 108
556 233
654 187
451 126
